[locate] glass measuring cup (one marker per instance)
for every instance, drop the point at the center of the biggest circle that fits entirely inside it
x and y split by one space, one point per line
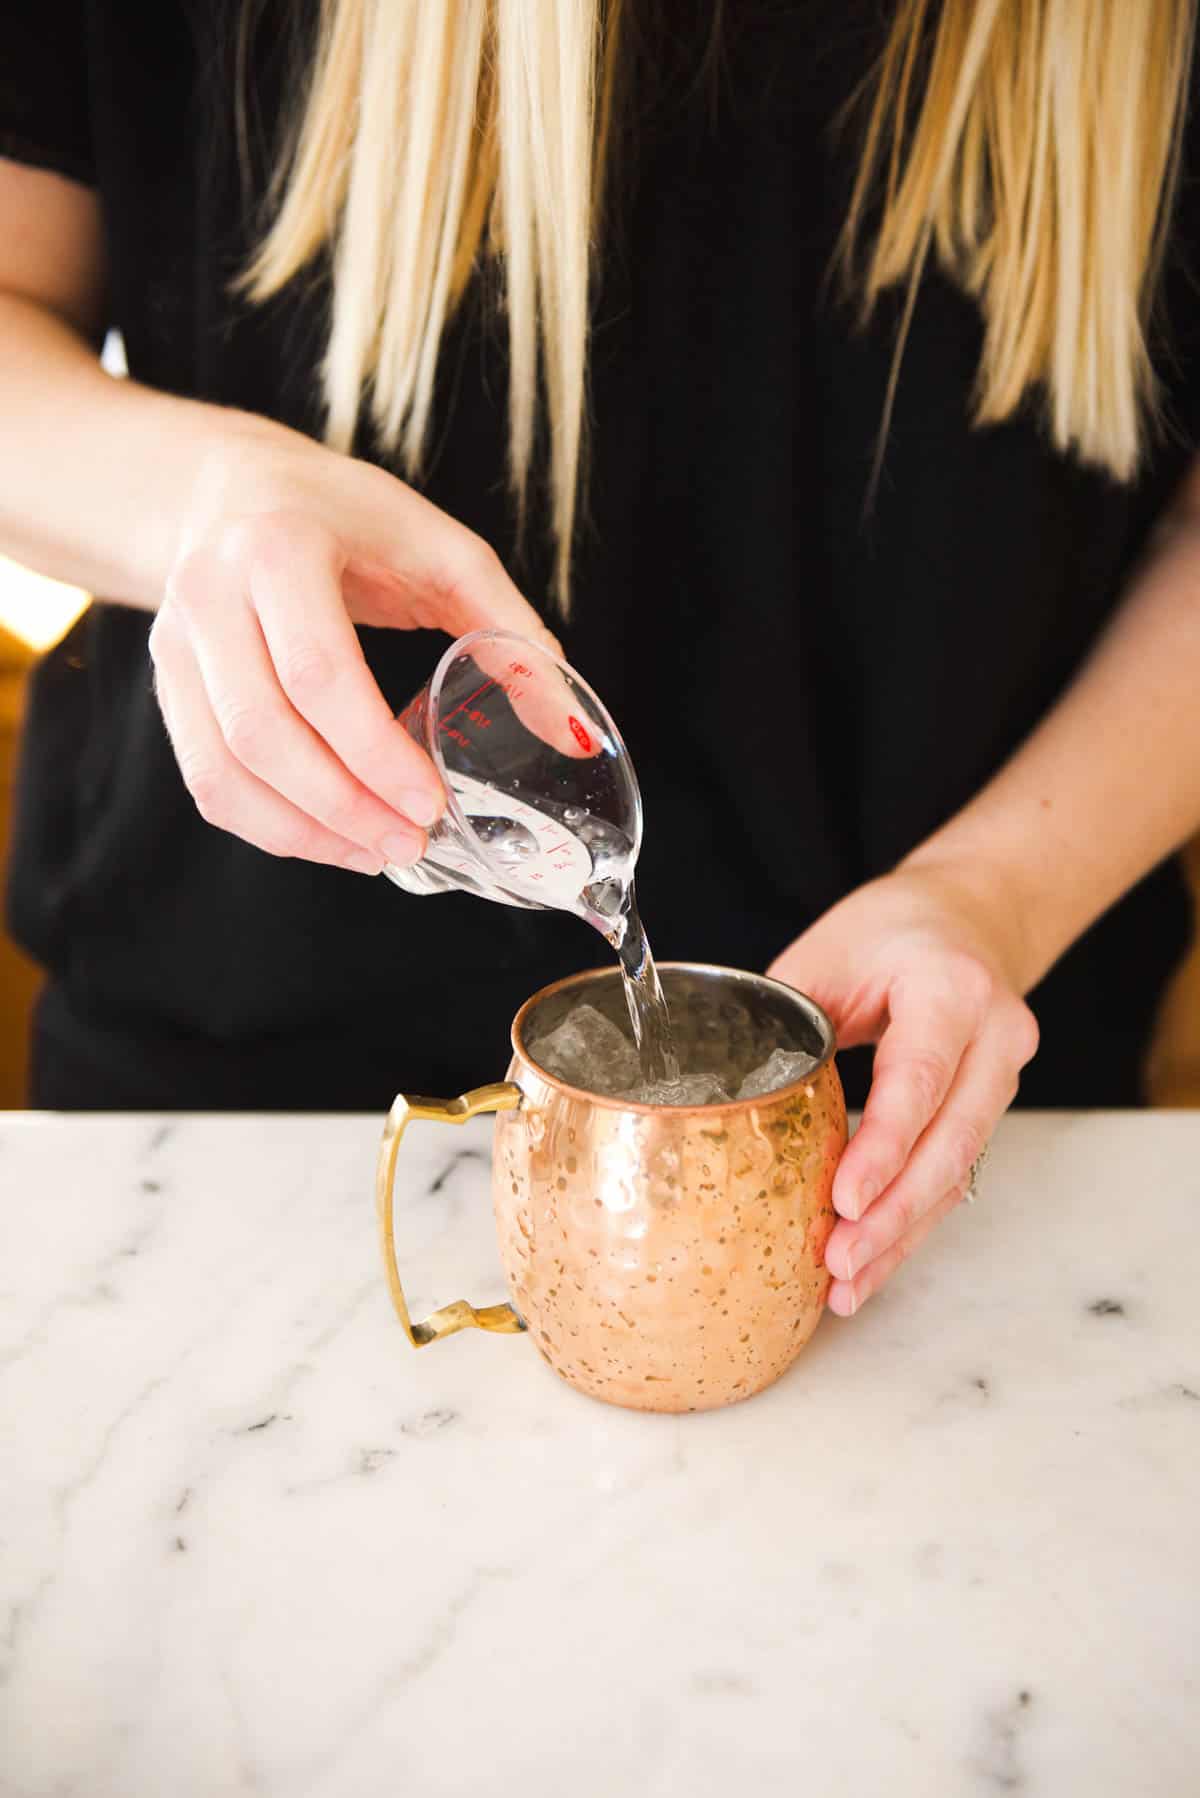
542 807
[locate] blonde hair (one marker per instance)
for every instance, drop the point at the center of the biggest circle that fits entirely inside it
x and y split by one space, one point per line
429 130
1032 145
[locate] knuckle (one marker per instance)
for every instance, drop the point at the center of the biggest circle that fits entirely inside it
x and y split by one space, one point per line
929 1078
472 565
974 983
271 542
306 671
237 540
1026 1034
346 816
906 1211
479 558
246 730
188 582
157 643
207 786
256 540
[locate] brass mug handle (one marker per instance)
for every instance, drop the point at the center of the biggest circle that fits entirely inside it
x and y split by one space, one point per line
502 1096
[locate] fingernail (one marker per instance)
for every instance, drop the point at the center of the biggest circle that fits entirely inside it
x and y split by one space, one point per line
361 861
852 1204
857 1259
868 1192
402 850
422 806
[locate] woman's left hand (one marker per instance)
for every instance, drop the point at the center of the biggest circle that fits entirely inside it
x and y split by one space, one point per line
926 963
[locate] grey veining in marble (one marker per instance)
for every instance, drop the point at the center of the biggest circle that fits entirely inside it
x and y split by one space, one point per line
251 1542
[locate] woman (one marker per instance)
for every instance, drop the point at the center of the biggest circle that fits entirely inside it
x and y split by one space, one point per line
894 597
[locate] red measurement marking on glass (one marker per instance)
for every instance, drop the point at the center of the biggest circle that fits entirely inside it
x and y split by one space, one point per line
469 700
580 735
559 846
520 668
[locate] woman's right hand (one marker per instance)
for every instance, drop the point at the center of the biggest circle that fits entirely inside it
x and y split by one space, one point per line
281 733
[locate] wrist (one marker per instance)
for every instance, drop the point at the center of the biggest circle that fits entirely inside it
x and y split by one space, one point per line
996 902
224 473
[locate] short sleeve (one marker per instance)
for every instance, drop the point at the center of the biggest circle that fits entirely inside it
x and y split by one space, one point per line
45 118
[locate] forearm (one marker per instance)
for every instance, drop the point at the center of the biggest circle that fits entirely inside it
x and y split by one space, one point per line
95 473
1107 785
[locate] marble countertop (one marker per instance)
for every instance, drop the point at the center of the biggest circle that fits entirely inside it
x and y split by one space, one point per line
251 1542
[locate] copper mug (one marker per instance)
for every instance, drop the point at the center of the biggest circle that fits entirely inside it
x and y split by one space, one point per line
667 1258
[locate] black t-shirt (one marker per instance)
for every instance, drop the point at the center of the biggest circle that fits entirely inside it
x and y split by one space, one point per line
807 688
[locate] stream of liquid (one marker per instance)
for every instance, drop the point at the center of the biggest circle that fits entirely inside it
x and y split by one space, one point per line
608 902
648 1012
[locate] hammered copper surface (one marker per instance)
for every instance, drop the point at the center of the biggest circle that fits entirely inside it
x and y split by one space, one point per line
668 1258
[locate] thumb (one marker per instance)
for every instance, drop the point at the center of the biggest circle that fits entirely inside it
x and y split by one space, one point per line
820 969
417 567
421 568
